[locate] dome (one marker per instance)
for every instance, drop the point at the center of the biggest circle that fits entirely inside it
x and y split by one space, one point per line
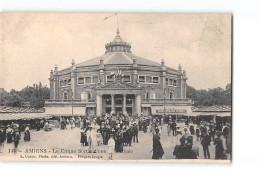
118 53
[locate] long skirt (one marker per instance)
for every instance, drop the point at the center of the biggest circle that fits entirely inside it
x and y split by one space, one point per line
27 136
9 138
157 151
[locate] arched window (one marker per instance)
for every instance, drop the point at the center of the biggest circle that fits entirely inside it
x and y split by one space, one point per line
152 95
85 96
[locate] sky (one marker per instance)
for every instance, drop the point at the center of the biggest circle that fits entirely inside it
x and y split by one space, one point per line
32 43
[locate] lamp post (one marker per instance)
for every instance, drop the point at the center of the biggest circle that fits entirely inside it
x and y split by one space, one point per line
72 103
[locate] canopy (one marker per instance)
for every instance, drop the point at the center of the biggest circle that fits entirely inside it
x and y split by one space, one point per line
15 116
221 114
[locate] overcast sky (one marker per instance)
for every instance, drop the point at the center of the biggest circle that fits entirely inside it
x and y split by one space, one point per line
32 43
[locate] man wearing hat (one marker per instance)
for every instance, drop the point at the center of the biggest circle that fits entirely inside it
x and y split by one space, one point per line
135 132
2 137
205 142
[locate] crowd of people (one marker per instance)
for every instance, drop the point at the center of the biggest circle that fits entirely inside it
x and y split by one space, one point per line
118 131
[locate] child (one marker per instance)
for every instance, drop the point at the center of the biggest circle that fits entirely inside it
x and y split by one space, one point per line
111 147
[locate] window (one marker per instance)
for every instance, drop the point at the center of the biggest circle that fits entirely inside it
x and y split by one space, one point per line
89 95
108 101
85 96
65 95
69 81
126 79
147 95
141 79
152 95
95 79
129 101
148 79
88 80
167 81
175 82
110 78
156 79
80 80
170 82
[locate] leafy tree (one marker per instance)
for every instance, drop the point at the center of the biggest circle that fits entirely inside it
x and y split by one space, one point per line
36 95
210 97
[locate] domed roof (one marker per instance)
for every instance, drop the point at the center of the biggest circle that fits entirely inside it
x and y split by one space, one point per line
118 53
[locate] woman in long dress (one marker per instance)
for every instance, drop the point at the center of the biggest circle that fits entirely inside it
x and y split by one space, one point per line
27 135
91 139
9 134
111 147
219 149
157 146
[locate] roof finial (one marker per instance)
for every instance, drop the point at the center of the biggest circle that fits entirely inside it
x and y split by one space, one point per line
118 32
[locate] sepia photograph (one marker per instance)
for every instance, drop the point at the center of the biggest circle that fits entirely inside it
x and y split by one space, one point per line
122 87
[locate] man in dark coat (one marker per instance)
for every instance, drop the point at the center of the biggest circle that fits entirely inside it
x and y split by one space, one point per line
157 146
119 141
17 137
174 128
2 137
135 133
180 150
205 142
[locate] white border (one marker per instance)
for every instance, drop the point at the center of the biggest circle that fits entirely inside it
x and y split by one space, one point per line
246 94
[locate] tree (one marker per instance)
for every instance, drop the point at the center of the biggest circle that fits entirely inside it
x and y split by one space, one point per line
210 97
36 95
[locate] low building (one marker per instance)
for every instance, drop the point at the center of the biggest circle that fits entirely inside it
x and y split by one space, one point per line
118 82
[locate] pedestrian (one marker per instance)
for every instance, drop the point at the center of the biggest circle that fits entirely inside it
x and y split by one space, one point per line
119 141
2 137
9 134
27 136
205 142
198 132
180 150
91 139
17 137
157 146
219 149
135 133
169 128
111 147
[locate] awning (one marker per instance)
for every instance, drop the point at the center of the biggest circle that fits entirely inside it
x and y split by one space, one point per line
65 111
221 114
16 116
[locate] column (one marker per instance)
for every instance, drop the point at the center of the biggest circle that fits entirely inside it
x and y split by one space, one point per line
113 108
99 105
138 104
124 104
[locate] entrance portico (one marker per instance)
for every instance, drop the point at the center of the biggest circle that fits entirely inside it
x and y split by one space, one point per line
118 97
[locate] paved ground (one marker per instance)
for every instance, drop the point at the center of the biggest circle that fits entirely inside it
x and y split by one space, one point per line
70 140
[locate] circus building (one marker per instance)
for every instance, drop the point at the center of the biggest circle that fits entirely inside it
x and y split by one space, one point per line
118 82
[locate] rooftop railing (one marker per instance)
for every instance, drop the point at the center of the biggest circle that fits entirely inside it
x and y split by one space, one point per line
69 101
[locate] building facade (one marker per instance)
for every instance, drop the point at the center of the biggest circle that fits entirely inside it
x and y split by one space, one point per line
118 82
